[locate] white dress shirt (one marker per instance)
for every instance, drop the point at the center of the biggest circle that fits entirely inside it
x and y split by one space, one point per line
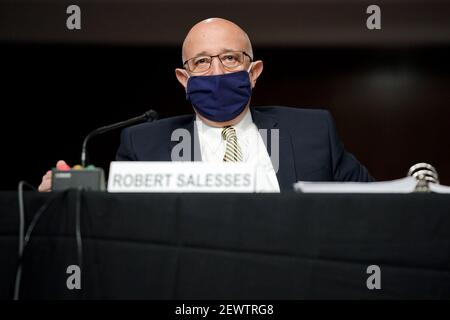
254 151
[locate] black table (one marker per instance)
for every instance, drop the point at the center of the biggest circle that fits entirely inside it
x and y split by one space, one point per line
230 246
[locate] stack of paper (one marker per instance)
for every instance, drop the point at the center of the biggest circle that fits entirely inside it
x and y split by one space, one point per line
405 185
439 188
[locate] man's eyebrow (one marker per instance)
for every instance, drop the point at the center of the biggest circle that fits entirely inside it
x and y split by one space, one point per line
203 53
206 53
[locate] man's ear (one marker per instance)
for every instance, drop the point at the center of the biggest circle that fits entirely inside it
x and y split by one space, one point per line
182 76
256 71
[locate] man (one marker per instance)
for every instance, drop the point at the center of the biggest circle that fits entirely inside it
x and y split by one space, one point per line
219 74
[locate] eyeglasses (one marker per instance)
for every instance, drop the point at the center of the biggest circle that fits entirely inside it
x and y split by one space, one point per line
230 60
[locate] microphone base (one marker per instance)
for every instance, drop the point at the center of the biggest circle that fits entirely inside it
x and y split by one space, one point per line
87 179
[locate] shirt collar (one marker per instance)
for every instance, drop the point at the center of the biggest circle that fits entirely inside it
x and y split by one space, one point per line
215 134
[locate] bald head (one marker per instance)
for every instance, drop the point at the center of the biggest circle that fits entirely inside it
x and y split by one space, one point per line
214 36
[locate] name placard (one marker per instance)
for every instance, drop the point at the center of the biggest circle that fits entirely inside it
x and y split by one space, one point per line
182 176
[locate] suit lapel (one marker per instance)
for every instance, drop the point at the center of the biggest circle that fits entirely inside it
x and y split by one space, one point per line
286 174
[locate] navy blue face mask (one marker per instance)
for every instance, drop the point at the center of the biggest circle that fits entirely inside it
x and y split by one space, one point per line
220 97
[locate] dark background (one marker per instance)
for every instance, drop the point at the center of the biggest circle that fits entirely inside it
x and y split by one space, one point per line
388 90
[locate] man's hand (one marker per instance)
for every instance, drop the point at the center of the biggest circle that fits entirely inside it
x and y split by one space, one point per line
46 184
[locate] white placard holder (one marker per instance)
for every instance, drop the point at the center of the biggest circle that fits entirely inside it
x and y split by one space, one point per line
182 176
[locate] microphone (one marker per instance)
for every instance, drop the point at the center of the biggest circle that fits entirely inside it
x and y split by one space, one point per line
150 115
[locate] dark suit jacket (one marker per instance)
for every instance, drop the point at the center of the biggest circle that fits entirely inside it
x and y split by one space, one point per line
309 147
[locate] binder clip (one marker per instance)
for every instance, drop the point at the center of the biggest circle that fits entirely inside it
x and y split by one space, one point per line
425 174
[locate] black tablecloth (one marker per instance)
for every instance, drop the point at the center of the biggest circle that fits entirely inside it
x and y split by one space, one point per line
230 246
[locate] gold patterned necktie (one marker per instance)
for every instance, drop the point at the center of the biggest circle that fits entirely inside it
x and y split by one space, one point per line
233 151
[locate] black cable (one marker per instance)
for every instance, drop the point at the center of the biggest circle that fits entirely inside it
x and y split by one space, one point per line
21 229
78 228
24 240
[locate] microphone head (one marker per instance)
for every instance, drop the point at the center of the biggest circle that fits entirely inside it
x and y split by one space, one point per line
151 115
424 171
